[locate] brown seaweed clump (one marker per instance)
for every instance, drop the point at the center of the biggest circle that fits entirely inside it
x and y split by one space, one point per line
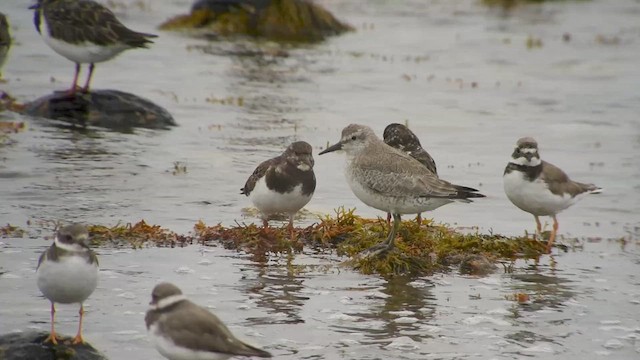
276 20
136 236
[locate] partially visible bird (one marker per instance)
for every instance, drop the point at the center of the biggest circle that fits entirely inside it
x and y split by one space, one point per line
84 32
400 137
182 330
67 273
540 188
5 41
283 184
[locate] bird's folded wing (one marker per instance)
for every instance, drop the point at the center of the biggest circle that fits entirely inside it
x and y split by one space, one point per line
204 332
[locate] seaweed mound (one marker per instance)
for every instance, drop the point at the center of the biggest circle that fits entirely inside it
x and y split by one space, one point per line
277 20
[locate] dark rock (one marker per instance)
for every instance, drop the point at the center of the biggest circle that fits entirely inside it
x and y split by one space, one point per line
111 109
28 345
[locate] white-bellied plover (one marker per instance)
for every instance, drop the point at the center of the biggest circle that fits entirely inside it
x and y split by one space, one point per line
182 330
388 179
540 188
84 32
68 273
403 139
284 184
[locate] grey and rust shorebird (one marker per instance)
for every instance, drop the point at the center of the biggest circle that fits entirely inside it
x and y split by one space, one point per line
400 137
5 41
67 273
182 330
84 32
283 184
540 188
388 179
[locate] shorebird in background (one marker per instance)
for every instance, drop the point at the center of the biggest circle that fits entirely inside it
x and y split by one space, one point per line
84 32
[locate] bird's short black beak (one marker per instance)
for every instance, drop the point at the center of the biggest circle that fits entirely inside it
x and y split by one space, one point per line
331 148
34 6
529 156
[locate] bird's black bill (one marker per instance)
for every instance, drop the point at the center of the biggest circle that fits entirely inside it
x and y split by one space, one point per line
331 148
34 7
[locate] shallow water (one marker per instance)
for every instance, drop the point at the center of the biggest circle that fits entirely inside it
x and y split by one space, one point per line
415 61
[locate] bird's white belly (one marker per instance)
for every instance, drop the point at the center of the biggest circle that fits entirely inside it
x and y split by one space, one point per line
167 348
70 280
272 202
83 53
396 205
534 196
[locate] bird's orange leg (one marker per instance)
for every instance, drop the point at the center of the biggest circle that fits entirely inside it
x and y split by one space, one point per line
78 339
86 84
538 226
419 218
52 336
552 238
389 219
75 80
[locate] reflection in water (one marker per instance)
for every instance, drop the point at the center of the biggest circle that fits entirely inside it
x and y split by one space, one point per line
269 80
545 291
403 312
277 289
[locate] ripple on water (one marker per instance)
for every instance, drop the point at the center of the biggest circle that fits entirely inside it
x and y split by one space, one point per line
403 343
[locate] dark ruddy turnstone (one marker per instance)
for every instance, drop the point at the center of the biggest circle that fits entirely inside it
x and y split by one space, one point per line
84 32
403 139
68 273
182 330
540 188
284 184
388 179
5 41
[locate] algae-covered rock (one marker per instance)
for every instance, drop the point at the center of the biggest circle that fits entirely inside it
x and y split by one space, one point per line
105 108
278 20
29 345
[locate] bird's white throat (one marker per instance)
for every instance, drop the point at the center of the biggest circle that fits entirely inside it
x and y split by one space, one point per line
69 247
523 161
168 301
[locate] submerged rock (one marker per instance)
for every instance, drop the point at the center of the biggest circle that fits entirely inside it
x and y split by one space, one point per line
28 345
278 20
477 264
111 109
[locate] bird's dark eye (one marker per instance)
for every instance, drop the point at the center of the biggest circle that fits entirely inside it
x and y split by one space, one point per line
353 137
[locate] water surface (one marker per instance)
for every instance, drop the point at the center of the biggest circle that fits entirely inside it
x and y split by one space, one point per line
468 85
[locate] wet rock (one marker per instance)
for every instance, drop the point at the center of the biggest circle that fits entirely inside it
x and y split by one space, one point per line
28 345
277 20
111 109
476 264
